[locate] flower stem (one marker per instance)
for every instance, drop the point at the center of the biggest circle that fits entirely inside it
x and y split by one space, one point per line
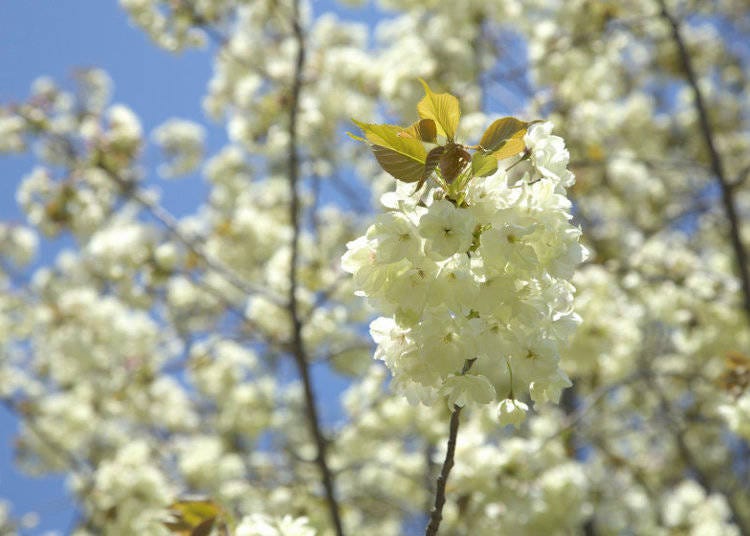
436 514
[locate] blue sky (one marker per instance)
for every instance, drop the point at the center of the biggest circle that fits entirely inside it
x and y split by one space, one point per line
54 38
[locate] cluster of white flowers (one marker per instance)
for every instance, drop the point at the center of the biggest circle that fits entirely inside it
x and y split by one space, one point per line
125 131
688 509
130 493
263 525
173 31
545 490
736 413
487 282
119 248
609 336
82 334
75 132
182 142
249 89
18 243
12 130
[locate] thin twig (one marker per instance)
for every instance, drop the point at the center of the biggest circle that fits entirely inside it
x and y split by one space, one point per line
436 515
298 348
717 166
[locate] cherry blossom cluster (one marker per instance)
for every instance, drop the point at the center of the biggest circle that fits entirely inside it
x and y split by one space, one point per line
475 298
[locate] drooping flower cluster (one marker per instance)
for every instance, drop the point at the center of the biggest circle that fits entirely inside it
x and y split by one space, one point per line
473 283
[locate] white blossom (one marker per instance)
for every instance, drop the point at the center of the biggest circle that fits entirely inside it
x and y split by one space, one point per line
467 286
182 143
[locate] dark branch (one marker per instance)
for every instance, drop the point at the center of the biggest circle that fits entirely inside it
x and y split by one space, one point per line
298 348
436 515
717 166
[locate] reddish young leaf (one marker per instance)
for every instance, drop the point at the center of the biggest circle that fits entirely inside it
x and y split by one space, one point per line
453 161
401 167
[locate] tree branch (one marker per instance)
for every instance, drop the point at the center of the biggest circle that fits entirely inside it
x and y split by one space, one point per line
436 515
717 166
298 348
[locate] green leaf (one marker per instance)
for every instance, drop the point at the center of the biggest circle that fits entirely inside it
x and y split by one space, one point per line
388 136
197 511
500 131
453 161
193 517
401 167
483 165
443 108
511 147
424 129
378 134
355 137
401 156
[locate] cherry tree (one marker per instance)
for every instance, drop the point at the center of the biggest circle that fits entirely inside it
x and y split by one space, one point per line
537 287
